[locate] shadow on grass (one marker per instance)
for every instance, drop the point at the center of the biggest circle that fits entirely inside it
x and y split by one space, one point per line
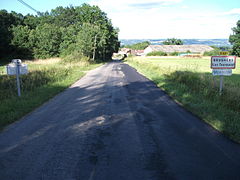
36 88
29 82
15 53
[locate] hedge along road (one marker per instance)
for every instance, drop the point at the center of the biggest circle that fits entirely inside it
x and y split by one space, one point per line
115 124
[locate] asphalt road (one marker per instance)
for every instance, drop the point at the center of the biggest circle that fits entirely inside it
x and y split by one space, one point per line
114 124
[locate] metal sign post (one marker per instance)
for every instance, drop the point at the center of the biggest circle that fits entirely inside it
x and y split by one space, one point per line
221 85
17 77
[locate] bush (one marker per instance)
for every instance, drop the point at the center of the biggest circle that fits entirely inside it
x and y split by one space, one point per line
157 53
174 54
214 52
75 56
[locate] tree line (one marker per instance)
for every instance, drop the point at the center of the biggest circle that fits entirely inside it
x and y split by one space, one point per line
84 31
145 44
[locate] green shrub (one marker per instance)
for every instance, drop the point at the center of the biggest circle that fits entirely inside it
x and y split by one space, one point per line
157 53
214 52
174 54
75 56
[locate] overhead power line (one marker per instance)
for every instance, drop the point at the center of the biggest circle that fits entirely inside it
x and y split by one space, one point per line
25 4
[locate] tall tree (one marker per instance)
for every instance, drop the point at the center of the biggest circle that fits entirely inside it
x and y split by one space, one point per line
23 47
64 17
46 40
234 39
69 39
31 21
86 39
7 20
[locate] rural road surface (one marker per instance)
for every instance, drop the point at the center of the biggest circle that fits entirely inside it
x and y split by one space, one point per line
114 124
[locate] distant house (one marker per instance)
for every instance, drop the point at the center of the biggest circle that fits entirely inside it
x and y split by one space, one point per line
198 49
137 52
125 51
128 51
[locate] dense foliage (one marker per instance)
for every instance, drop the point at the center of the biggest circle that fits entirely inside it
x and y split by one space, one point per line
173 41
7 20
235 40
84 30
138 46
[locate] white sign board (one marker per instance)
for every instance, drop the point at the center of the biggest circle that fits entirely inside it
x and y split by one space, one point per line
23 69
222 72
12 69
223 62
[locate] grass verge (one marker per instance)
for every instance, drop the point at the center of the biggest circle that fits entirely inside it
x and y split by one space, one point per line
190 82
46 78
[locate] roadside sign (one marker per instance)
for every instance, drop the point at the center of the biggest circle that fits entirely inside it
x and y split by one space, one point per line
223 62
12 69
222 72
23 69
17 68
224 53
222 66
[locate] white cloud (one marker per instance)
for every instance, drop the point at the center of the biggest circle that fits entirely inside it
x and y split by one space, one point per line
166 19
185 7
235 11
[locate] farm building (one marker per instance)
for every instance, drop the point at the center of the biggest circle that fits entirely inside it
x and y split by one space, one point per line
128 51
198 49
124 51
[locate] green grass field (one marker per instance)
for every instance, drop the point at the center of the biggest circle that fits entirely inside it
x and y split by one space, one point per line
45 79
191 83
176 63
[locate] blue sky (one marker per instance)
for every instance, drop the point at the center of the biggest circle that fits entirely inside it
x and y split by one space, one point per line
143 19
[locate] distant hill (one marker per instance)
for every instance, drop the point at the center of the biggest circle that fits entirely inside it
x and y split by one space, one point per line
210 42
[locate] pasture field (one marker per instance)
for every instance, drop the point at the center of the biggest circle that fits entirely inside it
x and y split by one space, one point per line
45 79
190 82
